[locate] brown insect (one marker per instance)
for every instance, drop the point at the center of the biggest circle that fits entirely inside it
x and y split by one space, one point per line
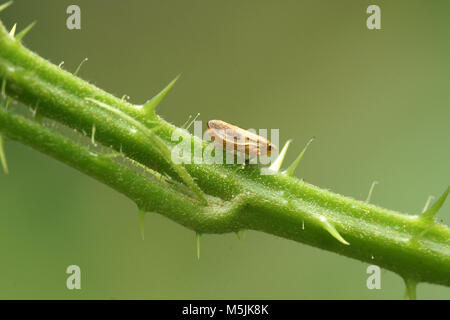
234 138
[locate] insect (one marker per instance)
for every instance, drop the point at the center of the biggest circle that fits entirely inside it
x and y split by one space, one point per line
234 138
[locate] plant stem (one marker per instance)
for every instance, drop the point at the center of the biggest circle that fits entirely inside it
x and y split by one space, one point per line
223 198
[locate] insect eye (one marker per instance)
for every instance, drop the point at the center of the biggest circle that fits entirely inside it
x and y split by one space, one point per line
269 147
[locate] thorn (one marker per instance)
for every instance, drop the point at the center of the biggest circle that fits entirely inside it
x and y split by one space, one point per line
197 238
290 171
150 106
193 120
5 5
124 97
13 31
79 66
427 204
93 135
36 115
411 289
371 190
60 64
332 230
303 224
2 156
276 165
431 212
24 32
142 222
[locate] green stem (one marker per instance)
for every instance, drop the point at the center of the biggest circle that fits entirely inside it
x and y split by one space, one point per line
223 198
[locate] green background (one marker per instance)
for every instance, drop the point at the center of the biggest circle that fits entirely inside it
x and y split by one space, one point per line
377 101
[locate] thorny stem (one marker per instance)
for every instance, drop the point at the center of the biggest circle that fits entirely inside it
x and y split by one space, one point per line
207 198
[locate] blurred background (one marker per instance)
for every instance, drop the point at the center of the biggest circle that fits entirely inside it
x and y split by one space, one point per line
377 101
